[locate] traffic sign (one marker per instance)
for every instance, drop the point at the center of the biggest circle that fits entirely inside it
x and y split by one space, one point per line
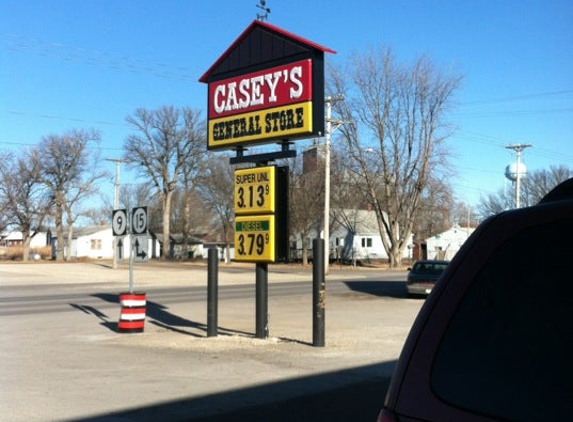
255 238
255 190
120 248
119 222
139 220
140 248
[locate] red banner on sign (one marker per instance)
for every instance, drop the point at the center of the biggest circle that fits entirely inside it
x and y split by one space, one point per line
273 87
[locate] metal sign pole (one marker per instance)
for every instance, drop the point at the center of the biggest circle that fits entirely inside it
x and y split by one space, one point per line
262 299
318 292
131 244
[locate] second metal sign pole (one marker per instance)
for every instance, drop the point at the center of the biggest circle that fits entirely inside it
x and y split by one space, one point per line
262 316
318 293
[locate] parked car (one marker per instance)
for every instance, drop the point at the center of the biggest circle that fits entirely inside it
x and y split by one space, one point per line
494 339
423 275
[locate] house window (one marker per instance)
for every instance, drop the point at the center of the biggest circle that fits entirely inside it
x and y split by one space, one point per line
366 242
95 244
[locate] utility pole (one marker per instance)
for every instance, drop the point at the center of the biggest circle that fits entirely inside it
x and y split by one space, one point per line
117 162
518 148
328 131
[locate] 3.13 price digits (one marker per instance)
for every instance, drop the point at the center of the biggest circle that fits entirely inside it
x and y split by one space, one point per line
251 196
255 190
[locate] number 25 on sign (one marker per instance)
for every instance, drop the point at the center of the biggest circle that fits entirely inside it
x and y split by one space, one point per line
254 238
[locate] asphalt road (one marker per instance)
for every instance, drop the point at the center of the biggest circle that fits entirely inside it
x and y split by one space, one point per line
62 358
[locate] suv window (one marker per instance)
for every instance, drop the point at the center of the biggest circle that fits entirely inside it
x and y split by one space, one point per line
429 267
508 350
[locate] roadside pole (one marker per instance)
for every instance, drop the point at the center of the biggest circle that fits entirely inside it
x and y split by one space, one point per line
262 313
212 293
318 293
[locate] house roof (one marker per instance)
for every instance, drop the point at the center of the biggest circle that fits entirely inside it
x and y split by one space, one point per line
357 220
85 231
177 238
454 231
260 43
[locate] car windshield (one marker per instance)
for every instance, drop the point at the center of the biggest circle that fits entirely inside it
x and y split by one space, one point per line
429 267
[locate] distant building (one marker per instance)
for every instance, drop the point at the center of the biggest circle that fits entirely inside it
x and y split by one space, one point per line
446 244
39 240
356 240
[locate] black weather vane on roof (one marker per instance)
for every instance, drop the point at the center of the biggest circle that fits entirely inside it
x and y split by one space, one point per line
266 10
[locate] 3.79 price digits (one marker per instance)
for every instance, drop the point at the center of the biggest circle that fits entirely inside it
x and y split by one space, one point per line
250 197
252 243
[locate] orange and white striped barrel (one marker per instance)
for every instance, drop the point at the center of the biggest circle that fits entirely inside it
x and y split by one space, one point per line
132 317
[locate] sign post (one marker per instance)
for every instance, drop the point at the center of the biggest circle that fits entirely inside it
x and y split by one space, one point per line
132 316
267 87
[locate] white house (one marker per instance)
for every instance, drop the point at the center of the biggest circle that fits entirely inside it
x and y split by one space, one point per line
93 242
445 245
15 238
354 236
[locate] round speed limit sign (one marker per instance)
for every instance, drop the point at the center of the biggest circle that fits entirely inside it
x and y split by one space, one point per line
119 222
139 220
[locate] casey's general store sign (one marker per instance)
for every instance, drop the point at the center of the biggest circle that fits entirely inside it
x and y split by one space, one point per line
256 95
276 102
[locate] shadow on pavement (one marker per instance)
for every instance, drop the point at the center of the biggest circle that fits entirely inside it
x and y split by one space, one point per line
396 289
355 395
156 314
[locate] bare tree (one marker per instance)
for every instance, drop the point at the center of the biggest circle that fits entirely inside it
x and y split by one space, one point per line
307 197
394 135
533 187
166 142
216 188
537 184
435 213
22 195
69 169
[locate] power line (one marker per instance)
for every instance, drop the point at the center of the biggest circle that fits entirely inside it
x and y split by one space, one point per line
478 114
71 119
516 97
20 43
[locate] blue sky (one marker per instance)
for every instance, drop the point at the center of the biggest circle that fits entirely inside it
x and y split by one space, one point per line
88 64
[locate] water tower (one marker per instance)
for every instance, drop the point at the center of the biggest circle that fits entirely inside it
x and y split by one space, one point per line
517 170
511 171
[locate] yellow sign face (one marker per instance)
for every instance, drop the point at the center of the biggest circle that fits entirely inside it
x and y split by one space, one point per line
255 190
260 126
255 238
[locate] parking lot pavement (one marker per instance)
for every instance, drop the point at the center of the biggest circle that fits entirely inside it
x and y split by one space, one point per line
72 366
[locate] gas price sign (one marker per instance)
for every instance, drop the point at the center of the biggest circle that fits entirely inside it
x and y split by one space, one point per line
255 190
255 238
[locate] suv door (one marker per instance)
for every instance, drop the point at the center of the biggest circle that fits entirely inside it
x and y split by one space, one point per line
495 339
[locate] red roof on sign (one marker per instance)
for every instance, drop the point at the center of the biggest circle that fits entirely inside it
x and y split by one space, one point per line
266 38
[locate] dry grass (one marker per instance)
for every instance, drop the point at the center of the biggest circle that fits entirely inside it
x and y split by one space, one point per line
16 253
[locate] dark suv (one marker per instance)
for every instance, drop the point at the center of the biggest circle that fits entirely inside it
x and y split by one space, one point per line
423 276
494 339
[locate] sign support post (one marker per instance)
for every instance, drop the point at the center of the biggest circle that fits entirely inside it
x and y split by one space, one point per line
132 316
262 300
260 96
318 293
212 293
131 243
